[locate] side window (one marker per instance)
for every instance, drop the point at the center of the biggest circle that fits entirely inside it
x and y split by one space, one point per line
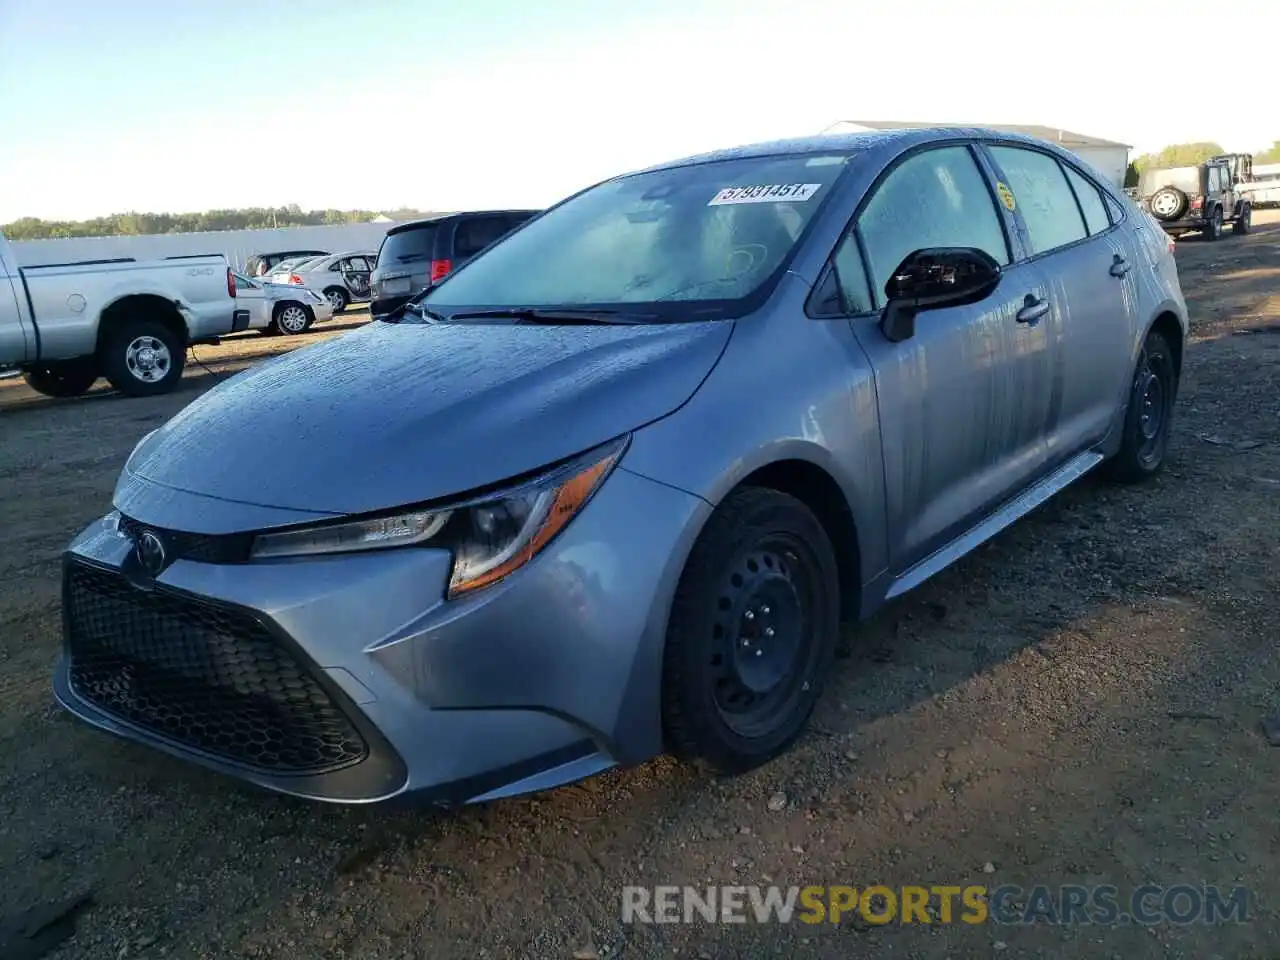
476 234
933 199
855 293
1043 196
358 263
1095 211
1215 180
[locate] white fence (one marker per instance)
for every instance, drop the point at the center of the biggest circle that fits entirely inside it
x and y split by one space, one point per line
236 245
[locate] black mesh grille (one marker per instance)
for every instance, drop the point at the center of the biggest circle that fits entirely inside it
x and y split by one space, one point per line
230 548
202 675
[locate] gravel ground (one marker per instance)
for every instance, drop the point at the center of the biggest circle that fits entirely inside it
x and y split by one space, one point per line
1079 701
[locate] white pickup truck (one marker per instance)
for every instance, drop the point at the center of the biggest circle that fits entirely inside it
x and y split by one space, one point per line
65 325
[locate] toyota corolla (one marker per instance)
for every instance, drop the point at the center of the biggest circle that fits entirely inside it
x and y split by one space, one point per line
612 488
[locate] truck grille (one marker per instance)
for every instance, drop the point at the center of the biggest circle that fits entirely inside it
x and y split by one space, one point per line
202 675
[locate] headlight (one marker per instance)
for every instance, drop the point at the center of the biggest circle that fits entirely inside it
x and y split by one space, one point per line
490 536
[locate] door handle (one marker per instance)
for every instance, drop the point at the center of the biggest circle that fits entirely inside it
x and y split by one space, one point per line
1120 266
1032 310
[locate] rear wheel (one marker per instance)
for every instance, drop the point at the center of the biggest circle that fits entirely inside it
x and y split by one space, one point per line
752 632
65 378
338 299
292 319
1244 222
143 358
1149 416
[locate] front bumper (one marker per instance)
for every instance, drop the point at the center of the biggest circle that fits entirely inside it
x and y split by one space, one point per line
350 678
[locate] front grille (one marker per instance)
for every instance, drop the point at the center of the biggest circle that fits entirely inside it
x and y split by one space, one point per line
202 675
205 548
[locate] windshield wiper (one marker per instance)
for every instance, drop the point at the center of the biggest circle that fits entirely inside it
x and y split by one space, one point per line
552 315
416 309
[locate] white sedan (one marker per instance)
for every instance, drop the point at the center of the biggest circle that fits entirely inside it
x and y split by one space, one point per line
341 278
280 308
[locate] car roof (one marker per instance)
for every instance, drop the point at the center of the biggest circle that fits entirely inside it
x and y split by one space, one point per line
869 142
459 215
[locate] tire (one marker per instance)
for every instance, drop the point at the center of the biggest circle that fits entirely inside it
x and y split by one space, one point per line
131 370
67 378
1214 230
763 562
1145 443
290 318
338 298
1244 222
1169 203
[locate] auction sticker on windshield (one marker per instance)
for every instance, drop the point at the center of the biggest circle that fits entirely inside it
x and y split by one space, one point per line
765 193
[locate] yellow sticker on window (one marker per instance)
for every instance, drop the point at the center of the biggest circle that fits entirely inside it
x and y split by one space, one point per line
1006 197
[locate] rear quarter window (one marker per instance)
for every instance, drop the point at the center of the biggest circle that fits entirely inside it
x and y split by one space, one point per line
1095 210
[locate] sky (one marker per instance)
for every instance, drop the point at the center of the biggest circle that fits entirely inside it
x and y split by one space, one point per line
110 106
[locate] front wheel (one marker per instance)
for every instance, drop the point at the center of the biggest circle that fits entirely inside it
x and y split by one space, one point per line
1214 230
1244 222
65 378
143 358
752 632
1147 421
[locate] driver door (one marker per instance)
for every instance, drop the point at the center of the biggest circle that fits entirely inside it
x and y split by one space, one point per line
964 402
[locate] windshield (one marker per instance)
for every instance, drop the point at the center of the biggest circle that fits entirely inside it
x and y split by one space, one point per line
1186 179
710 234
407 246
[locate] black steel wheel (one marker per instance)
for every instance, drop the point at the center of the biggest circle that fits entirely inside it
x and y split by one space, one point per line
1244 222
752 632
1145 442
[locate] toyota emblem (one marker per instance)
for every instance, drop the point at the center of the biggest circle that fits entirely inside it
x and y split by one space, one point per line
151 552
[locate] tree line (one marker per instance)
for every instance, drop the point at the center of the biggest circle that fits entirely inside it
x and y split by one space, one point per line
1189 155
147 224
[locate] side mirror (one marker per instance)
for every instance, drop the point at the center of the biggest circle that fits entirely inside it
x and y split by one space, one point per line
933 278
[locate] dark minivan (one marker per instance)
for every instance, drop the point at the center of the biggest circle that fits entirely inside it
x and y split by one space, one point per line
422 252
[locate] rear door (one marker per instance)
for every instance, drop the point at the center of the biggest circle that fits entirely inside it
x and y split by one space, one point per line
356 271
965 401
1068 232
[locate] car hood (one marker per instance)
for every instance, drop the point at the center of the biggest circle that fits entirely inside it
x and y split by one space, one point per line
394 414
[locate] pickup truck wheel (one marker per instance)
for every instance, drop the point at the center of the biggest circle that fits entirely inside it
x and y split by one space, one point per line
1169 203
1150 413
69 378
338 299
292 319
1214 230
143 358
1244 222
752 632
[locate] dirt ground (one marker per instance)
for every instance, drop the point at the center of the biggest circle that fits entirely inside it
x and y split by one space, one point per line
1078 702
